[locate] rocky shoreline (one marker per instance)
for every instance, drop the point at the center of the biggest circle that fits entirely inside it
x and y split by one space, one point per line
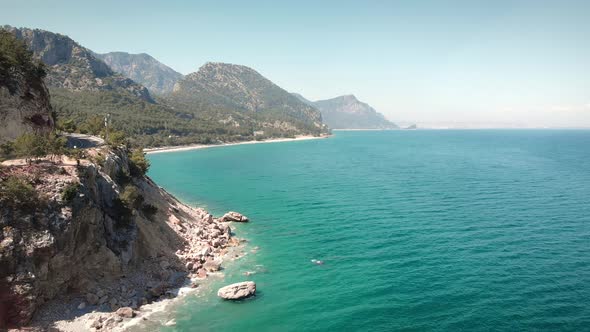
114 306
100 257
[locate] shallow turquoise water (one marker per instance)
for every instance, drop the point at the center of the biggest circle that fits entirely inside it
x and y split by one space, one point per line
419 230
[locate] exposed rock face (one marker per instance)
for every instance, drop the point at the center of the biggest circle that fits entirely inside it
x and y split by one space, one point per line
234 216
237 291
73 67
144 69
347 112
24 99
111 253
246 92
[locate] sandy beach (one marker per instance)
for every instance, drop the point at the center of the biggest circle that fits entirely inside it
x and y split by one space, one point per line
206 146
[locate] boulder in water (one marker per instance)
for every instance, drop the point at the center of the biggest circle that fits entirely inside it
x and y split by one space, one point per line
237 291
234 216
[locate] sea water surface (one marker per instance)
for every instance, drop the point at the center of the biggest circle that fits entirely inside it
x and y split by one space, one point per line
473 230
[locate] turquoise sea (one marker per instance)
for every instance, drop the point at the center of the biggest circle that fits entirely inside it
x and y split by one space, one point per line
454 230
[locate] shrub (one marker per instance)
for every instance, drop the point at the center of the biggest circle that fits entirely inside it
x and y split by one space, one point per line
149 210
18 193
30 146
93 125
139 164
6 150
99 160
117 138
70 191
131 197
122 177
69 126
121 213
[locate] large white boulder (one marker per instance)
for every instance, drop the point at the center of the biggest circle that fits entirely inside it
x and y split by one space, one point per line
237 291
234 216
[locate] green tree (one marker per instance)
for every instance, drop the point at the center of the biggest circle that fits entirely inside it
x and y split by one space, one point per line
93 125
69 126
16 58
6 150
117 138
56 145
30 146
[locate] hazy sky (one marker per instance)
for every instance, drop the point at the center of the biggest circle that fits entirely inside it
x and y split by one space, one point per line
498 62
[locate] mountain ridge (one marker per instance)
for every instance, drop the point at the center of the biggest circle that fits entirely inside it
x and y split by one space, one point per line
73 67
245 91
347 112
229 105
143 68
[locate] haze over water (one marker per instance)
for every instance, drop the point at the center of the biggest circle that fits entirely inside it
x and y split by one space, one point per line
420 230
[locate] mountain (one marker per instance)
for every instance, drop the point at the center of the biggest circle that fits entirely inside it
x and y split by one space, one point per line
242 92
144 69
24 98
73 67
347 112
303 99
219 103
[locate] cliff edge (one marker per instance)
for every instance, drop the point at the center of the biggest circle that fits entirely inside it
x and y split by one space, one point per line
99 235
24 99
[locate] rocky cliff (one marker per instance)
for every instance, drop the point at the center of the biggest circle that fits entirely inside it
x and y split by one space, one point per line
347 112
97 235
144 69
24 99
244 91
73 67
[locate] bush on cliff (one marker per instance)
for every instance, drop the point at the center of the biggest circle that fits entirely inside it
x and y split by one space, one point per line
139 164
17 193
70 191
131 197
149 211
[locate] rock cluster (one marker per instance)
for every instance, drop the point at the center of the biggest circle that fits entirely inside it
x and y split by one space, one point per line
237 291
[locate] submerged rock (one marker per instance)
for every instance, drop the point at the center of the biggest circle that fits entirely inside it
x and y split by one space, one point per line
234 216
237 291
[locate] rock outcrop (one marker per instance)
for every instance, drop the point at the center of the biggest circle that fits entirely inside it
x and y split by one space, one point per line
118 241
24 99
237 291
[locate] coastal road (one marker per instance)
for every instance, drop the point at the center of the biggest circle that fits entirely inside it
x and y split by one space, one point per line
82 141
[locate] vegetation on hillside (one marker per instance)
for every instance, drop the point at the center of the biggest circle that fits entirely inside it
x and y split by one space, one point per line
34 146
18 193
17 62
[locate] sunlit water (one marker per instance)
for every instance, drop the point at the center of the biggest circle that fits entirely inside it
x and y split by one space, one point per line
418 230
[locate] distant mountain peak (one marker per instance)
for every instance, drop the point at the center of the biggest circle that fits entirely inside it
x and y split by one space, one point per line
242 89
349 97
143 68
347 112
73 67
